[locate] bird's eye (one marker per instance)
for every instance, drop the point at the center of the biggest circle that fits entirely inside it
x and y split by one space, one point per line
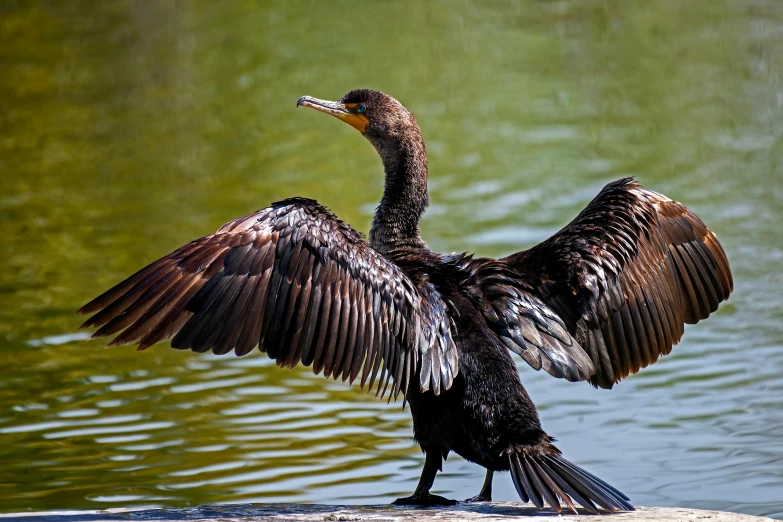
361 108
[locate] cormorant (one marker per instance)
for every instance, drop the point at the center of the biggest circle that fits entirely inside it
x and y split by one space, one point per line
602 298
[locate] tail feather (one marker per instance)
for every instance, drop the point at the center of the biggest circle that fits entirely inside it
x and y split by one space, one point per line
589 477
549 477
516 478
542 476
534 472
533 493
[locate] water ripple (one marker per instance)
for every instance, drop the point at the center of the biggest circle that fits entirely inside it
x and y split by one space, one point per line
151 137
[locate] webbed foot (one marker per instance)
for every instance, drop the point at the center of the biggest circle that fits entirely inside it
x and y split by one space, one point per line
424 501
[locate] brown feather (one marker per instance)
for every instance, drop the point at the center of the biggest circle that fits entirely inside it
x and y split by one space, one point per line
634 266
290 278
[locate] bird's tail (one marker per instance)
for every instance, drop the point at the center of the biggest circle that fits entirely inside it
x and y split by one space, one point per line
541 475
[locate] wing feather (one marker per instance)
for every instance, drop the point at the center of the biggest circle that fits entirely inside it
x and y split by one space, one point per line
522 321
298 283
626 275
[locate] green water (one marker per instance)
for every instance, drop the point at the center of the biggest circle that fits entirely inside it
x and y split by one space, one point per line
128 128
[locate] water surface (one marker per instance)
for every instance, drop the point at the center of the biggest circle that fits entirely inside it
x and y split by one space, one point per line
128 128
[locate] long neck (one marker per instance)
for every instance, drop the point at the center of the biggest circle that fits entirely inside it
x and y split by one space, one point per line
396 222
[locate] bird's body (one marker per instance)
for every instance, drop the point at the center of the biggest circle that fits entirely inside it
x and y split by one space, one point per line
602 298
486 410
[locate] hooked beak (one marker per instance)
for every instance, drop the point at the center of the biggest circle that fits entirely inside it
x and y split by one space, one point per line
338 110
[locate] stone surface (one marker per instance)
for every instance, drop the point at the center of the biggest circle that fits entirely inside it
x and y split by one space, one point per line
484 512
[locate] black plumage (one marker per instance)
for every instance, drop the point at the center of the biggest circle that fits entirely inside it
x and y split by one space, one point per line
626 275
599 300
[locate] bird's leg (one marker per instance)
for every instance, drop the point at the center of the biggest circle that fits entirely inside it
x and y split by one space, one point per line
422 497
485 495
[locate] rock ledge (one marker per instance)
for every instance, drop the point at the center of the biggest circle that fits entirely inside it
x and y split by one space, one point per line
485 512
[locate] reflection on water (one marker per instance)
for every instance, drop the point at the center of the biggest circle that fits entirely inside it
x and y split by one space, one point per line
128 128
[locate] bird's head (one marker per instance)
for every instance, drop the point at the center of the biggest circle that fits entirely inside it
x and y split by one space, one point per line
379 117
393 131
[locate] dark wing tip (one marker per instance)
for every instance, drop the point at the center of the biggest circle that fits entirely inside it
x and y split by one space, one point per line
87 323
96 304
102 300
599 380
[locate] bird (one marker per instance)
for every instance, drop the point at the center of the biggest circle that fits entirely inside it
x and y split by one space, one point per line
604 297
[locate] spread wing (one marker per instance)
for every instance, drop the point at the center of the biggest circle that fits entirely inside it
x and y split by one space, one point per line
626 275
300 284
521 320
